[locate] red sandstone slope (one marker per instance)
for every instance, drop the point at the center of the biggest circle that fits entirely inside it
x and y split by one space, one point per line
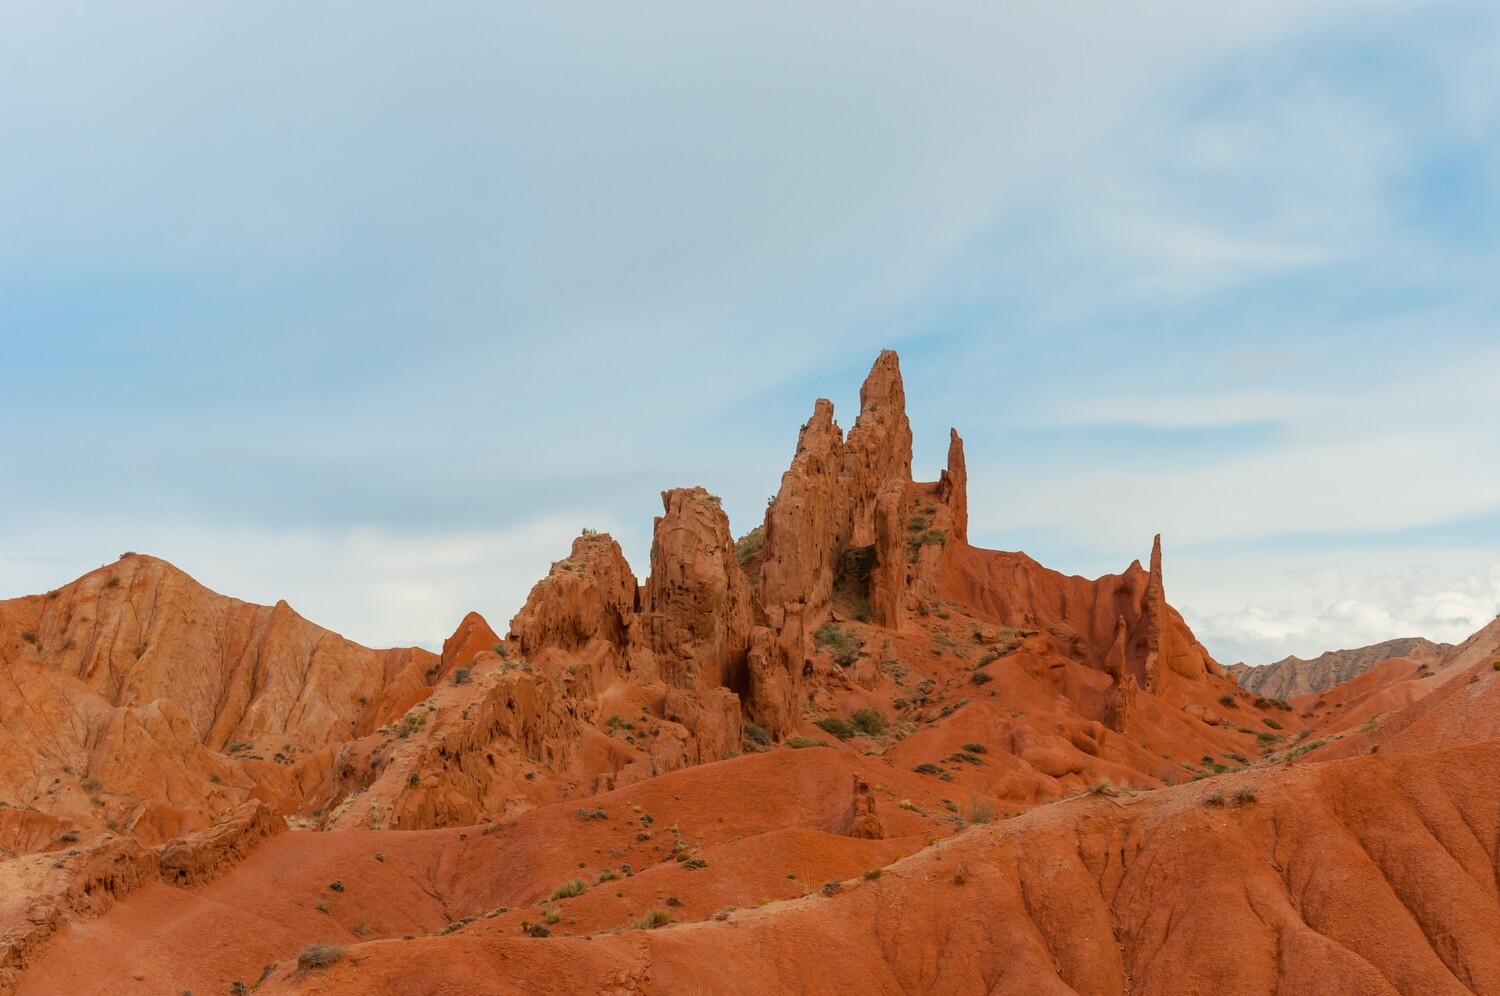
1366 877
758 719
137 699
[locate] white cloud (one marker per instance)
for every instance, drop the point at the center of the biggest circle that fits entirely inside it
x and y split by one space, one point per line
1332 609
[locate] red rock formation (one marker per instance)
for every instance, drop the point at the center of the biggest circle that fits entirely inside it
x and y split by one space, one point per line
878 450
953 488
591 595
697 607
888 573
864 821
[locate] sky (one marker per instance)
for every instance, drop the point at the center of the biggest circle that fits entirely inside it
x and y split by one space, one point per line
371 307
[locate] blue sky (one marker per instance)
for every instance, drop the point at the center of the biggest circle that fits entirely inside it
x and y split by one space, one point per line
372 308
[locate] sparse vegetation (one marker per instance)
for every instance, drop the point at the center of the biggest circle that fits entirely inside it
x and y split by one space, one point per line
981 677
756 734
837 726
927 768
979 810
592 814
873 874
871 722
1301 749
319 956
29 636
748 545
411 723
798 743
844 647
975 748
570 888
1273 724
652 919
461 676
1228 702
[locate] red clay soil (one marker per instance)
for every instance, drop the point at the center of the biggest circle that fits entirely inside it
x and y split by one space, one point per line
1370 876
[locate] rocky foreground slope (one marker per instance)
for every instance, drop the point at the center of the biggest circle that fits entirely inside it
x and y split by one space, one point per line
846 752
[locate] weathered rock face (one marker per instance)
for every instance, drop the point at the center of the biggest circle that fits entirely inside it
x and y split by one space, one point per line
805 525
888 574
711 719
878 450
698 610
953 487
140 630
589 596
774 663
863 821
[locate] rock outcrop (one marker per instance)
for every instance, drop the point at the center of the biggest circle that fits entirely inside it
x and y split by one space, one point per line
697 608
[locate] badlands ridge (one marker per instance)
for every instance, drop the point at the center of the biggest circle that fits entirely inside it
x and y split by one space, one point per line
847 752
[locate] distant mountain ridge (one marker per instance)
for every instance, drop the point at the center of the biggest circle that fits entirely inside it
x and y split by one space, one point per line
1293 676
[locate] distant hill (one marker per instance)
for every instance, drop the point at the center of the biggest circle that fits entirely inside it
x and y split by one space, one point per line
1293 676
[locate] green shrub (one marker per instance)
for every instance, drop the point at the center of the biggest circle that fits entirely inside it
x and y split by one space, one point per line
981 677
844 647
1301 749
652 919
975 748
571 888
1272 723
871 722
979 810
756 734
749 545
461 676
836 725
1228 702
797 743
